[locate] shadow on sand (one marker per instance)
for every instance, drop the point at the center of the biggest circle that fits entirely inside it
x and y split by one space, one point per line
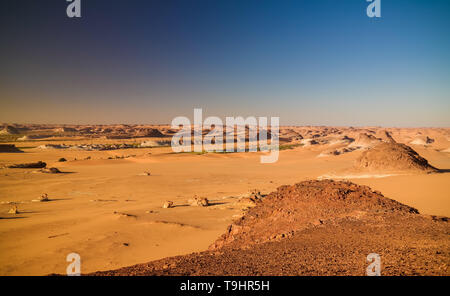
10 218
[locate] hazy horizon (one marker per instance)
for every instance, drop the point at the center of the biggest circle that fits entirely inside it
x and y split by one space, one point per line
319 63
168 124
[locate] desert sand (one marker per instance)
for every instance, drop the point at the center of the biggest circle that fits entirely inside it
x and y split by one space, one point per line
106 202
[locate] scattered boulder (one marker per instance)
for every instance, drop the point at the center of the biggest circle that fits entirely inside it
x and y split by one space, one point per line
255 195
44 198
246 202
62 159
13 210
30 165
8 148
168 204
199 201
250 201
122 214
50 171
337 151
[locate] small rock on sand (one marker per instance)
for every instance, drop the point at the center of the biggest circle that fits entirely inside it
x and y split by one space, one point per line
146 173
256 194
168 204
199 201
13 210
50 171
44 197
122 214
32 165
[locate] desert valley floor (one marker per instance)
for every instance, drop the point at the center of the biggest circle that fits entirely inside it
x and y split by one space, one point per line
106 200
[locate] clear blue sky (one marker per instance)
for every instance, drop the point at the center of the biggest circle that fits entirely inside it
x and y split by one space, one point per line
318 62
